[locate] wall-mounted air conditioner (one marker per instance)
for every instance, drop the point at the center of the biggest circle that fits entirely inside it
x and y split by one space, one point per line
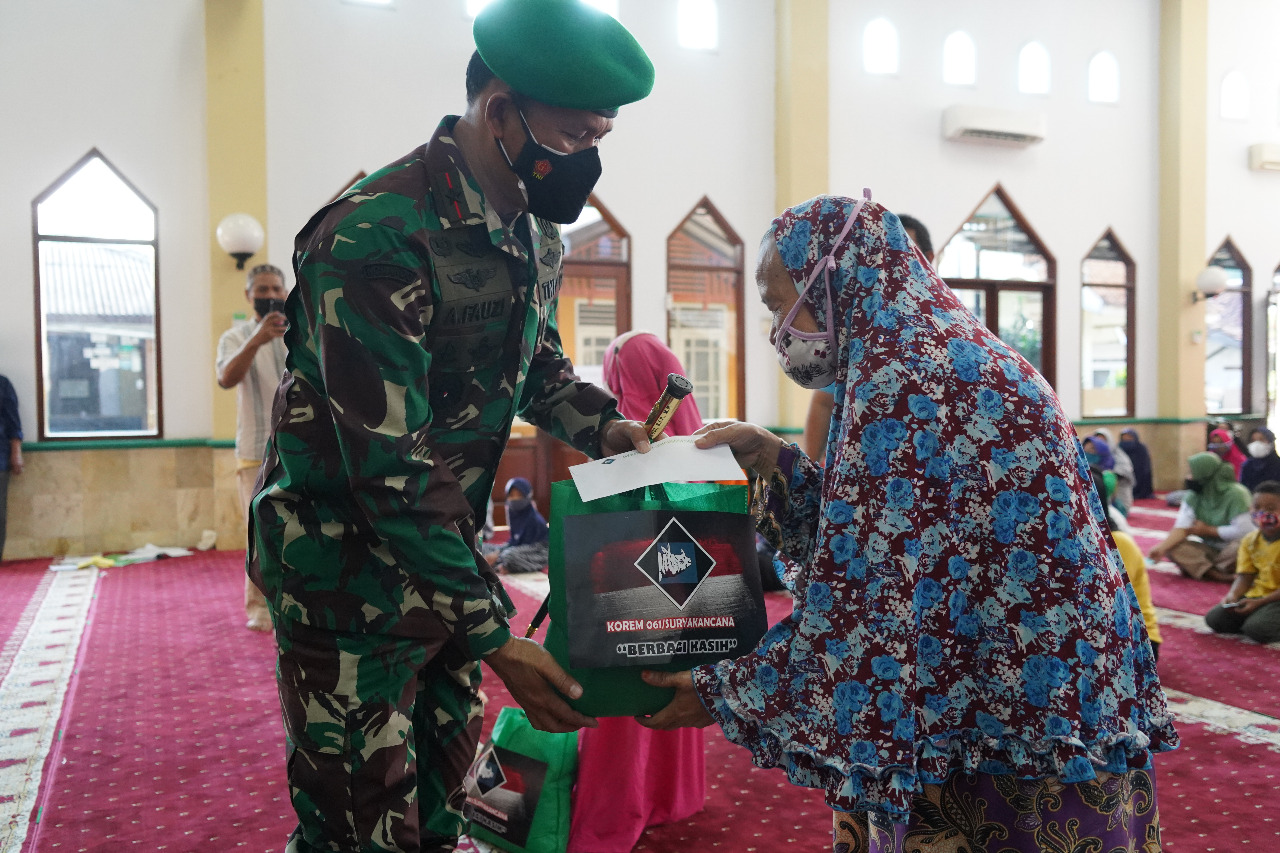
984 124
1265 157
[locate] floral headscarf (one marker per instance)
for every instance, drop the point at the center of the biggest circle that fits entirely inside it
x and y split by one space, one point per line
959 606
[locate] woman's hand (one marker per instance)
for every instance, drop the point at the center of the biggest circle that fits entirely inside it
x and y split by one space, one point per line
685 710
753 446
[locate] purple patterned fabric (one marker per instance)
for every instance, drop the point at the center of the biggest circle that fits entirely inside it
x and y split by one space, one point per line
959 605
1114 814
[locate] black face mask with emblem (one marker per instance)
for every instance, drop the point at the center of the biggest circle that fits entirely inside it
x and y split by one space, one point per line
556 184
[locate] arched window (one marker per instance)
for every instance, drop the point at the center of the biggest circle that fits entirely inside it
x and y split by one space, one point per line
1107 322
1234 100
1104 79
1001 270
705 309
697 24
1033 69
96 304
595 298
880 47
1228 337
959 60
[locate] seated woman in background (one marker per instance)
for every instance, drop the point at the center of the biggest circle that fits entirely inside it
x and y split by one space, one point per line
1123 468
1216 512
1264 463
1223 443
628 776
1102 465
963 652
526 549
1252 605
1141 459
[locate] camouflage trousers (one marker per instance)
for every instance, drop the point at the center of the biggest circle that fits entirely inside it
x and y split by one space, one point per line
381 731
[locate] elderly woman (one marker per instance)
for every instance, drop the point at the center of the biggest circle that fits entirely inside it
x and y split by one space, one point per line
965 664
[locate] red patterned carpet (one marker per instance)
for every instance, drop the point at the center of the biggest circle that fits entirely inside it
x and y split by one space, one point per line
20 582
170 736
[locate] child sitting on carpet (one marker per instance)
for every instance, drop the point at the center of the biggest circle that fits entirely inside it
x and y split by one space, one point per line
526 550
1252 605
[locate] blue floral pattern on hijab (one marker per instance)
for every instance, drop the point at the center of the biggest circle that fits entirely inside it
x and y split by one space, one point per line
958 604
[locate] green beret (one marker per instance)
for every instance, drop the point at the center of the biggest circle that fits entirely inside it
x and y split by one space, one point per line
563 53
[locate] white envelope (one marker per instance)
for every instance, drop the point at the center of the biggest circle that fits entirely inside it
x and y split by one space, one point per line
671 460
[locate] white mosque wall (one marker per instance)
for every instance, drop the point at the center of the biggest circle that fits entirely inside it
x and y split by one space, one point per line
1096 169
1243 204
351 88
125 77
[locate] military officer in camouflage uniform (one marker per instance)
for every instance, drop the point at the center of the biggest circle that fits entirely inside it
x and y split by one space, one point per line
422 322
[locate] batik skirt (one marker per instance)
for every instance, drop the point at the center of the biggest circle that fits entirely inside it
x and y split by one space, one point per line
981 813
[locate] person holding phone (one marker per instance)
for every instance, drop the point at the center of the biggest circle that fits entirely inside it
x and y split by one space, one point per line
251 359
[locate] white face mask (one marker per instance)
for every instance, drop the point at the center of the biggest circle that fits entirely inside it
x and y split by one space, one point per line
808 363
809 358
1259 449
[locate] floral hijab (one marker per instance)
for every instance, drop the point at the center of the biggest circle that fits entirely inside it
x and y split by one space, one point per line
959 605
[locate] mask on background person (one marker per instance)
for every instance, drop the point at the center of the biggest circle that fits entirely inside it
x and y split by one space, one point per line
1093 458
1194 485
263 307
556 184
518 505
1260 449
1261 518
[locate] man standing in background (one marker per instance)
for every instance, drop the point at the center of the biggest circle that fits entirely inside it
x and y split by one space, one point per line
11 457
251 359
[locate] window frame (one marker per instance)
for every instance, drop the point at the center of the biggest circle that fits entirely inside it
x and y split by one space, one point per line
42 426
1131 323
619 271
991 288
1246 321
738 270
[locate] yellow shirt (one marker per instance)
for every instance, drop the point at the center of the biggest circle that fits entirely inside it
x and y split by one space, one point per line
1135 566
1259 558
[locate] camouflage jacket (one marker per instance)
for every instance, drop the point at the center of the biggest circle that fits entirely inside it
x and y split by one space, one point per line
419 327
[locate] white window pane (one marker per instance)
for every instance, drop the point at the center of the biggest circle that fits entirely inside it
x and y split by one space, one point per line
1033 69
697 24
95 202
97 305
1104 79
880 48
959 60
1235 96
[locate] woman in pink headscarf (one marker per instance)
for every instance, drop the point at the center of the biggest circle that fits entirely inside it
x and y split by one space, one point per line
1222 443
630 777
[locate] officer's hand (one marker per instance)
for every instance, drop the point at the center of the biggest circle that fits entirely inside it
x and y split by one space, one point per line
620 436
685 710
533 677
753 446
